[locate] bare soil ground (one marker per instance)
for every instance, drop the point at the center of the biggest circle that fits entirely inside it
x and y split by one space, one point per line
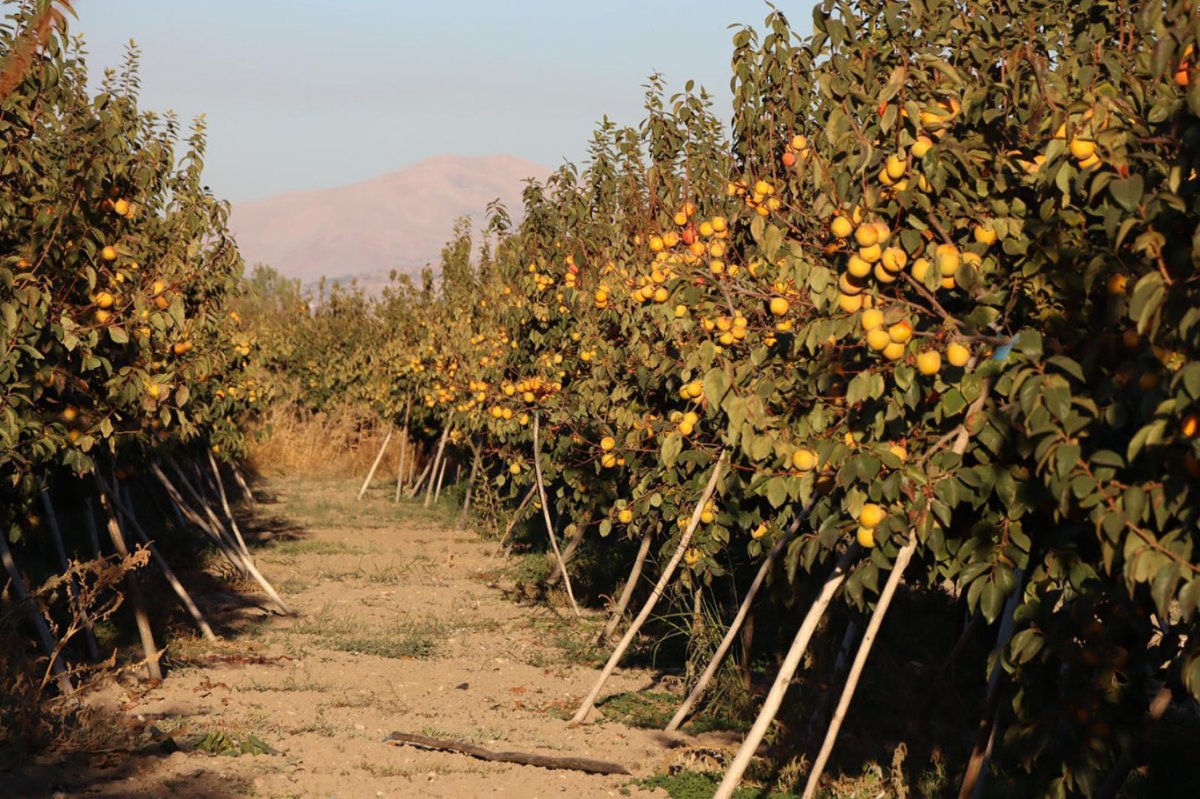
404 623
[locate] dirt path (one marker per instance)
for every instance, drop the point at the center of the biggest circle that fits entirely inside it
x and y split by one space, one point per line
403 625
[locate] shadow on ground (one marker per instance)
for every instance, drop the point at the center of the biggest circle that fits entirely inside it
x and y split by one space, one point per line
58 750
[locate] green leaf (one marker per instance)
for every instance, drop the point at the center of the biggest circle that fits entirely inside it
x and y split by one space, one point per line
671 447
1128 191
715 385
777 491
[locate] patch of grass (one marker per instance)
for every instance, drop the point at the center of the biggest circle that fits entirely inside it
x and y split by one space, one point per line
575 640
219 742
309 546
644 709
698 785
293 682
653 709
417 640
294 585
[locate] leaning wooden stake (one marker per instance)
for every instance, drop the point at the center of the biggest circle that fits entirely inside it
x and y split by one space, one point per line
437 492
216 533
237 533
127 513
541 487
630 586
241 481
185 515
659 588
135 589
214 523
371 474
89 636
35 616
860 660
437 462
734 627
419 481
788 670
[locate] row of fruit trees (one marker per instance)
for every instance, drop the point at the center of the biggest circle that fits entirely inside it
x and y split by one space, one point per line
123 363
929 311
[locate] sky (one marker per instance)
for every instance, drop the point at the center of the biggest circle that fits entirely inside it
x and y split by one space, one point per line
304 94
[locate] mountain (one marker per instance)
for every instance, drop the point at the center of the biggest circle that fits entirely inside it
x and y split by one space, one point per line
396 221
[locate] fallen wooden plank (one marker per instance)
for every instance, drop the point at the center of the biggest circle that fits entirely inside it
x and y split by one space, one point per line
522 758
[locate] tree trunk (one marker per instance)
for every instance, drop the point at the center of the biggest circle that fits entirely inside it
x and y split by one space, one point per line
135 589
419 482
89 636
466 508
512 523
976 773
400 473
35 616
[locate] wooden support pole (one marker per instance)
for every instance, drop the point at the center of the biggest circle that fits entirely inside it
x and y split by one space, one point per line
860 660
541 487
437 461
237 533
787 671
437 492
400 469
419 482
635 574
735 626
241 481
378 458
215 532
659 588
149 648
214 523
127 513
35 616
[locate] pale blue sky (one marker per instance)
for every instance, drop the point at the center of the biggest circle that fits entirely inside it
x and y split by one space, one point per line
313 93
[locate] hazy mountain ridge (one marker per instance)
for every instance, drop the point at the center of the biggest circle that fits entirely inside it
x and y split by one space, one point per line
396 221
